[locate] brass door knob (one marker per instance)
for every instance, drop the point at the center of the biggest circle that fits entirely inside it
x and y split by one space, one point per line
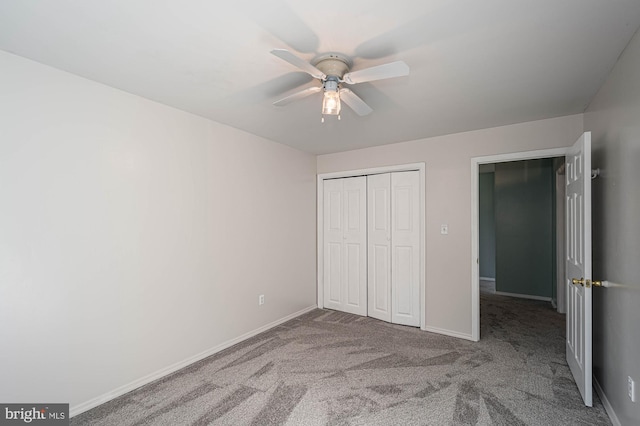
588 283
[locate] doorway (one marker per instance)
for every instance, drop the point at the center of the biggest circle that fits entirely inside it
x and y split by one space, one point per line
475 225
517 234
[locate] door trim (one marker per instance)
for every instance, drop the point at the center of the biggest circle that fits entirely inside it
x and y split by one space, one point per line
421 168
475 226
561 229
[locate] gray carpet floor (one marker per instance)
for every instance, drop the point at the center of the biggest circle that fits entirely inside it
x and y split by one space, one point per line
333 368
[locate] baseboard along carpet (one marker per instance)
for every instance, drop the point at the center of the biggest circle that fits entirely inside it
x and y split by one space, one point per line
333 368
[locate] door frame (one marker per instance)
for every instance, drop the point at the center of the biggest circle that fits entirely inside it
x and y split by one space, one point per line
561 229
475 225
421 168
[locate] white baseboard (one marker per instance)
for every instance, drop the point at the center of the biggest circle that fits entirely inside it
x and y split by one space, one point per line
605 402
487 279
94 402
448 333
488 286
523 296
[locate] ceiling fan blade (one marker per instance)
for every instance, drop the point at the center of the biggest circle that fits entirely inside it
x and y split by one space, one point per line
298 95
297 62
390 70
354 102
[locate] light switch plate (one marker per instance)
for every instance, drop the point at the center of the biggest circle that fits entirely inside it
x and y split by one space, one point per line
444 229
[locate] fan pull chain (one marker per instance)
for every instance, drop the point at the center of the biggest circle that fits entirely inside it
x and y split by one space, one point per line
322 119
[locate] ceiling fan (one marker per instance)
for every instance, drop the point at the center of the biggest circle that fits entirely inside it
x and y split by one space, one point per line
333 69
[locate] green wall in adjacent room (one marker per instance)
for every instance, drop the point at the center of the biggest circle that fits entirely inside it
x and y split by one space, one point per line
487 237
525 235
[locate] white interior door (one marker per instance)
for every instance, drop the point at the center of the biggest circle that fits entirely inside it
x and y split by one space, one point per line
578 264
379 246
405 248
345 247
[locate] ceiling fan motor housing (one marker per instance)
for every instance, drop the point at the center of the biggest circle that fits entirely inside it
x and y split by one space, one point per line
333 64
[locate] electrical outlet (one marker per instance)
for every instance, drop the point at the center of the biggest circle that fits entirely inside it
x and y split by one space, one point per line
261 299
631 389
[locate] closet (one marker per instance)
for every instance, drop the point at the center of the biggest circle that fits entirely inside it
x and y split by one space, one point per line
371 246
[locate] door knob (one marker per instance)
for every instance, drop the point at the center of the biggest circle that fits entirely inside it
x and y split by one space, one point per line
588 283
577 281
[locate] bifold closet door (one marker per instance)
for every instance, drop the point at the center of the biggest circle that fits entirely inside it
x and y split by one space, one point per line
379 246
393 247
345 245
405 248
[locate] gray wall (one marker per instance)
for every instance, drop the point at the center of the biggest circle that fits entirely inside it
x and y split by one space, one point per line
487 237
136 238
524 192
613 117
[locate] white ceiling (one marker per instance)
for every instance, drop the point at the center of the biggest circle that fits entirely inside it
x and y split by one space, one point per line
474 64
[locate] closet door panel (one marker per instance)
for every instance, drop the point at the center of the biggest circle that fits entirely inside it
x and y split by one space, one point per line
333 244
379 246
355 245
344 248
405 248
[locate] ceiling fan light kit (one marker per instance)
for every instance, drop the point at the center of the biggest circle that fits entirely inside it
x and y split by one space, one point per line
333 69
331 98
